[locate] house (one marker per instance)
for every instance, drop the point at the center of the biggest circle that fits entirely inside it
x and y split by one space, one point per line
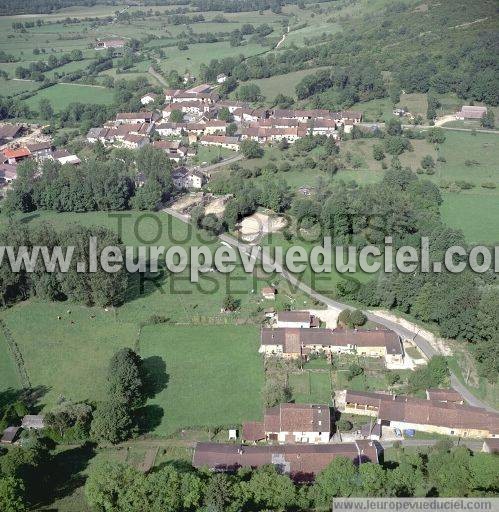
268 292
110 43
65 157
471 112
165 129
233 105
40 150
434 416
13 156
324 127
444 395
296 319
300 341
200 89
8 173
186 178
133 117
148 98
9 132
351 115
169 146
215 126
33 421
491 446
10 434
220 140
134 141
301 461
292 423
96 134
221 78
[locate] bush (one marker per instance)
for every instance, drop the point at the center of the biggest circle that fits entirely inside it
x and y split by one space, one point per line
344 425
354 370
489 184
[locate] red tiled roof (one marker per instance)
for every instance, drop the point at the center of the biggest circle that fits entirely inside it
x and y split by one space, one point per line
253 431
16 153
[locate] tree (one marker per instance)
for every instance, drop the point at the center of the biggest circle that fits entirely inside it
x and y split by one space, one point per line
112 486
435 136
45 109
231 129
176 116
354 370
394 126
337 479
428 163
271 490
248 92
488 119
378 152
357 318
251 149
219 492
225 115
112 422
275 392
373 479
12 493
124 377
230 303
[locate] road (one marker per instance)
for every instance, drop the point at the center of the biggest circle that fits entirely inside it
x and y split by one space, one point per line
427 127
474 445
225 161
157 76
423 344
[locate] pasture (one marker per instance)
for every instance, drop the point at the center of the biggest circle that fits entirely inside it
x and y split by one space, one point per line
206 375
61 95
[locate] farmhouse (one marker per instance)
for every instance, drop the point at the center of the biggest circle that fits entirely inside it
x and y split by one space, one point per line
444 395
13 156
432 416
491 446
233 105
292 423
110 43
33 421
40 150
471 112
133 117
186 178
10 434
268 292
300 342
221 141
65 157
148 98
165 129
9 132
8 174
296 319
134 141
301 462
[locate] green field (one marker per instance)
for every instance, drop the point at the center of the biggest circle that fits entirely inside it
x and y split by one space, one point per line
13 87
213 374
9 378
474 214
61 95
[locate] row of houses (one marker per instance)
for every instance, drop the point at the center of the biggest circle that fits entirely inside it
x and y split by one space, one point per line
442 412
300 462
293 343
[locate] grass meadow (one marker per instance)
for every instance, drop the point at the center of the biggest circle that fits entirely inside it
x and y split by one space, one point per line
212 375
61 95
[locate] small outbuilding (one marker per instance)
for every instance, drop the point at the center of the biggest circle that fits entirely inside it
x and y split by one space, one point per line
10 435
33 421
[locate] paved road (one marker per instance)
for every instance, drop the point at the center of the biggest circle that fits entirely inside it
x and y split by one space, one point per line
423 344
427 127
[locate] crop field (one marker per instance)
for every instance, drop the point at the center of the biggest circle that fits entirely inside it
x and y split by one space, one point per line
61 95
207 376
